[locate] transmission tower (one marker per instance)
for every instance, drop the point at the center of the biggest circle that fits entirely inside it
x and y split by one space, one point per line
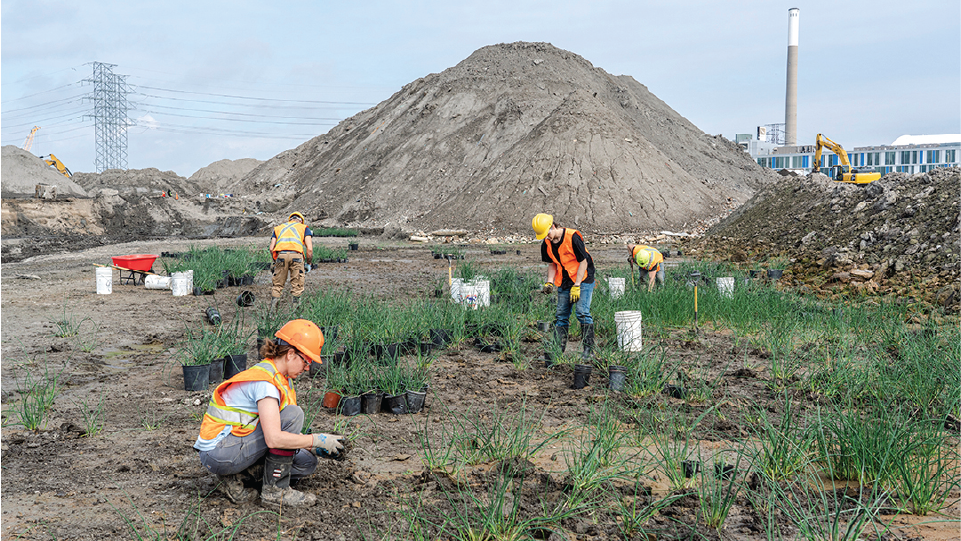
110 115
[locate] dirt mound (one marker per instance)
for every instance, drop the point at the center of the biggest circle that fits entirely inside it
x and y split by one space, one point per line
22 171
140 181
219 176
512 130
898 235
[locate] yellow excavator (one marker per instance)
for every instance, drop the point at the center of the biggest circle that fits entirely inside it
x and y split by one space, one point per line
52 160
842 172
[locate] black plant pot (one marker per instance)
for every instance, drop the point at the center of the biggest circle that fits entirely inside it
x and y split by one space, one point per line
774 274
518 252
216 372
386 352
195 377
319 370
246 298
330 333
396 404
675 391
234 364
260 344
543 326
424 348
415 400
247 280
723 471
349 406
340 357
616 377
370 402
754 273
582 375
213 316
690 467
440 338
353 246
436 256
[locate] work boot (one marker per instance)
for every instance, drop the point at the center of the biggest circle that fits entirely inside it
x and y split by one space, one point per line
277 492
587 337
296 302
560 337
273 304
233 487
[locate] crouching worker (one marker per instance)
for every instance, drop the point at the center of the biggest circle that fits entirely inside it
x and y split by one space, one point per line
253 422
648 260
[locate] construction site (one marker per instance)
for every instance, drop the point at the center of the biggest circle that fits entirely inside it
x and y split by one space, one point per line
736 421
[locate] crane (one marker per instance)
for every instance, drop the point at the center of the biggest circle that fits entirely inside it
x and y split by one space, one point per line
29 140
842 172
52 160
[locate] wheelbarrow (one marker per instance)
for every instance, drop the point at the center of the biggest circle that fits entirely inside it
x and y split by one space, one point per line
137 267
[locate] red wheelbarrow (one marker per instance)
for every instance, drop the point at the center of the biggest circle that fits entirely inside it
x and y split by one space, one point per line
137 266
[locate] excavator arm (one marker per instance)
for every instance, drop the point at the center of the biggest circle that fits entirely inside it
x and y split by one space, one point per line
52 160
842 172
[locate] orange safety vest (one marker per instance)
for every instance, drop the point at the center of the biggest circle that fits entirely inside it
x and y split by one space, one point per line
290 236
220 415
656 257
568 260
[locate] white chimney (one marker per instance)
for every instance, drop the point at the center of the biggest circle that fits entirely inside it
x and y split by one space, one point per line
790 103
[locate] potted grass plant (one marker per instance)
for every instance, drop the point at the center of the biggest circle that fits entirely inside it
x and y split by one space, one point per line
196 353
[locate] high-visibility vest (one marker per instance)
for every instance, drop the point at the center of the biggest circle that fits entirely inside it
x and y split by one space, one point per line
568 261
655 259
290 236
220 415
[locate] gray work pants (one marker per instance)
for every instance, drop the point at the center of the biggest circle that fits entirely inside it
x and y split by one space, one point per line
234 454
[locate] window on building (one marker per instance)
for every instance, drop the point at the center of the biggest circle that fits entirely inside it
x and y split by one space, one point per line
933 156
905 158
914 156
805 162
950 156
889 158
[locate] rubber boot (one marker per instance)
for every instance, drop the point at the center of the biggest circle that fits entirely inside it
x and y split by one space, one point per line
587 337
233 487
277 492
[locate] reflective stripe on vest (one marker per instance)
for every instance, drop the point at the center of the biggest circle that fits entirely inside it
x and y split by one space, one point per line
568 261
220 415
655 259
290 236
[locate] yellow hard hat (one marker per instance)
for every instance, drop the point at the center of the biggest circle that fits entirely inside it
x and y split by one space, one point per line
304 335
297 215
542 224
643 257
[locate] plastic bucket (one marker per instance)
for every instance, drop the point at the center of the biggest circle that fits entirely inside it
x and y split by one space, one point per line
104 280
471 294
725 286
153 281
179 284
616 287
628 330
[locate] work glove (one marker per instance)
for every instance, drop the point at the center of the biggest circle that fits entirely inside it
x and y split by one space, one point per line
548 288
327 444
308 267
575 293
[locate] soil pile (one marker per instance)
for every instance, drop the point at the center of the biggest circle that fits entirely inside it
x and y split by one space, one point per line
22 171
512 130
898 235
221 175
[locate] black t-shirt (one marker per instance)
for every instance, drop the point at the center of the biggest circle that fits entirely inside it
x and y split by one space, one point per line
580 252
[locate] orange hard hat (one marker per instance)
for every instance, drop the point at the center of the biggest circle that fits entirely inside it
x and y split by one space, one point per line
297 215
304 335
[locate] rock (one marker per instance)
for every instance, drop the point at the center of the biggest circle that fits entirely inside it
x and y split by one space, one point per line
449 233
863 274
842 277
415 238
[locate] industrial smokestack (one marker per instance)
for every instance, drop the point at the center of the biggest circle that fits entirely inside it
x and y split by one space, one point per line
790 102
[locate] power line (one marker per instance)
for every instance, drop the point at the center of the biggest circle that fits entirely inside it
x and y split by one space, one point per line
257 98
39 93
241 114
295 107
248 121
8 112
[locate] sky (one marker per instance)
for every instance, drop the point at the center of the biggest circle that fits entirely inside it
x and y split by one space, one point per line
209 80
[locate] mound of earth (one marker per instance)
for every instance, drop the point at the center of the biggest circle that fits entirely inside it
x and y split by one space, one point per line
898 235
21 171
512 130
222 175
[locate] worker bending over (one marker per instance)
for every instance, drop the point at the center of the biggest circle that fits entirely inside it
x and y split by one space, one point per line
648 260
571 269
291 246
253 422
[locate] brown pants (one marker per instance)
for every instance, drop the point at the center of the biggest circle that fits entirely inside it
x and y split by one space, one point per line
292 264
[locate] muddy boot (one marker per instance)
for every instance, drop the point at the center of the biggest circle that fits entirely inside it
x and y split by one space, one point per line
273 304
233 487
587 337
560 337
277 492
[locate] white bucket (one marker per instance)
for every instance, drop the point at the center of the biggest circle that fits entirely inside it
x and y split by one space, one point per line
725 285
628 330
104 280
179 284
156 282
472 294
616 287
190 279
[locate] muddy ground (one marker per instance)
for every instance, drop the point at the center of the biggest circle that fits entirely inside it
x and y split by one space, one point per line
61 484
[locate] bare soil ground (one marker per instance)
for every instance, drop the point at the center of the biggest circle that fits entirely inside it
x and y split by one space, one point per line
61 484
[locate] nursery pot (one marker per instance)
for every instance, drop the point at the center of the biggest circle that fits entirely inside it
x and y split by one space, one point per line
415 400
675 391
353 246
386 351
690 467
213 316
754 273
582 374
234 364
246 298
349 405
195 377
439 337
319 370
615 378
425 348
330 333
370 402
774 274
260 344
395 403
216 372
331 399
543 326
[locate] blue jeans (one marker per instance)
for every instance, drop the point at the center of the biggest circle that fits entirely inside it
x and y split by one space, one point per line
234 455
583 308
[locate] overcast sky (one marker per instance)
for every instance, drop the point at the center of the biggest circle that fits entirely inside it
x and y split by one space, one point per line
249 79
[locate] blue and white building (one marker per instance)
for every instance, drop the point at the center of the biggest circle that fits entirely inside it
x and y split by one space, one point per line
907 154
